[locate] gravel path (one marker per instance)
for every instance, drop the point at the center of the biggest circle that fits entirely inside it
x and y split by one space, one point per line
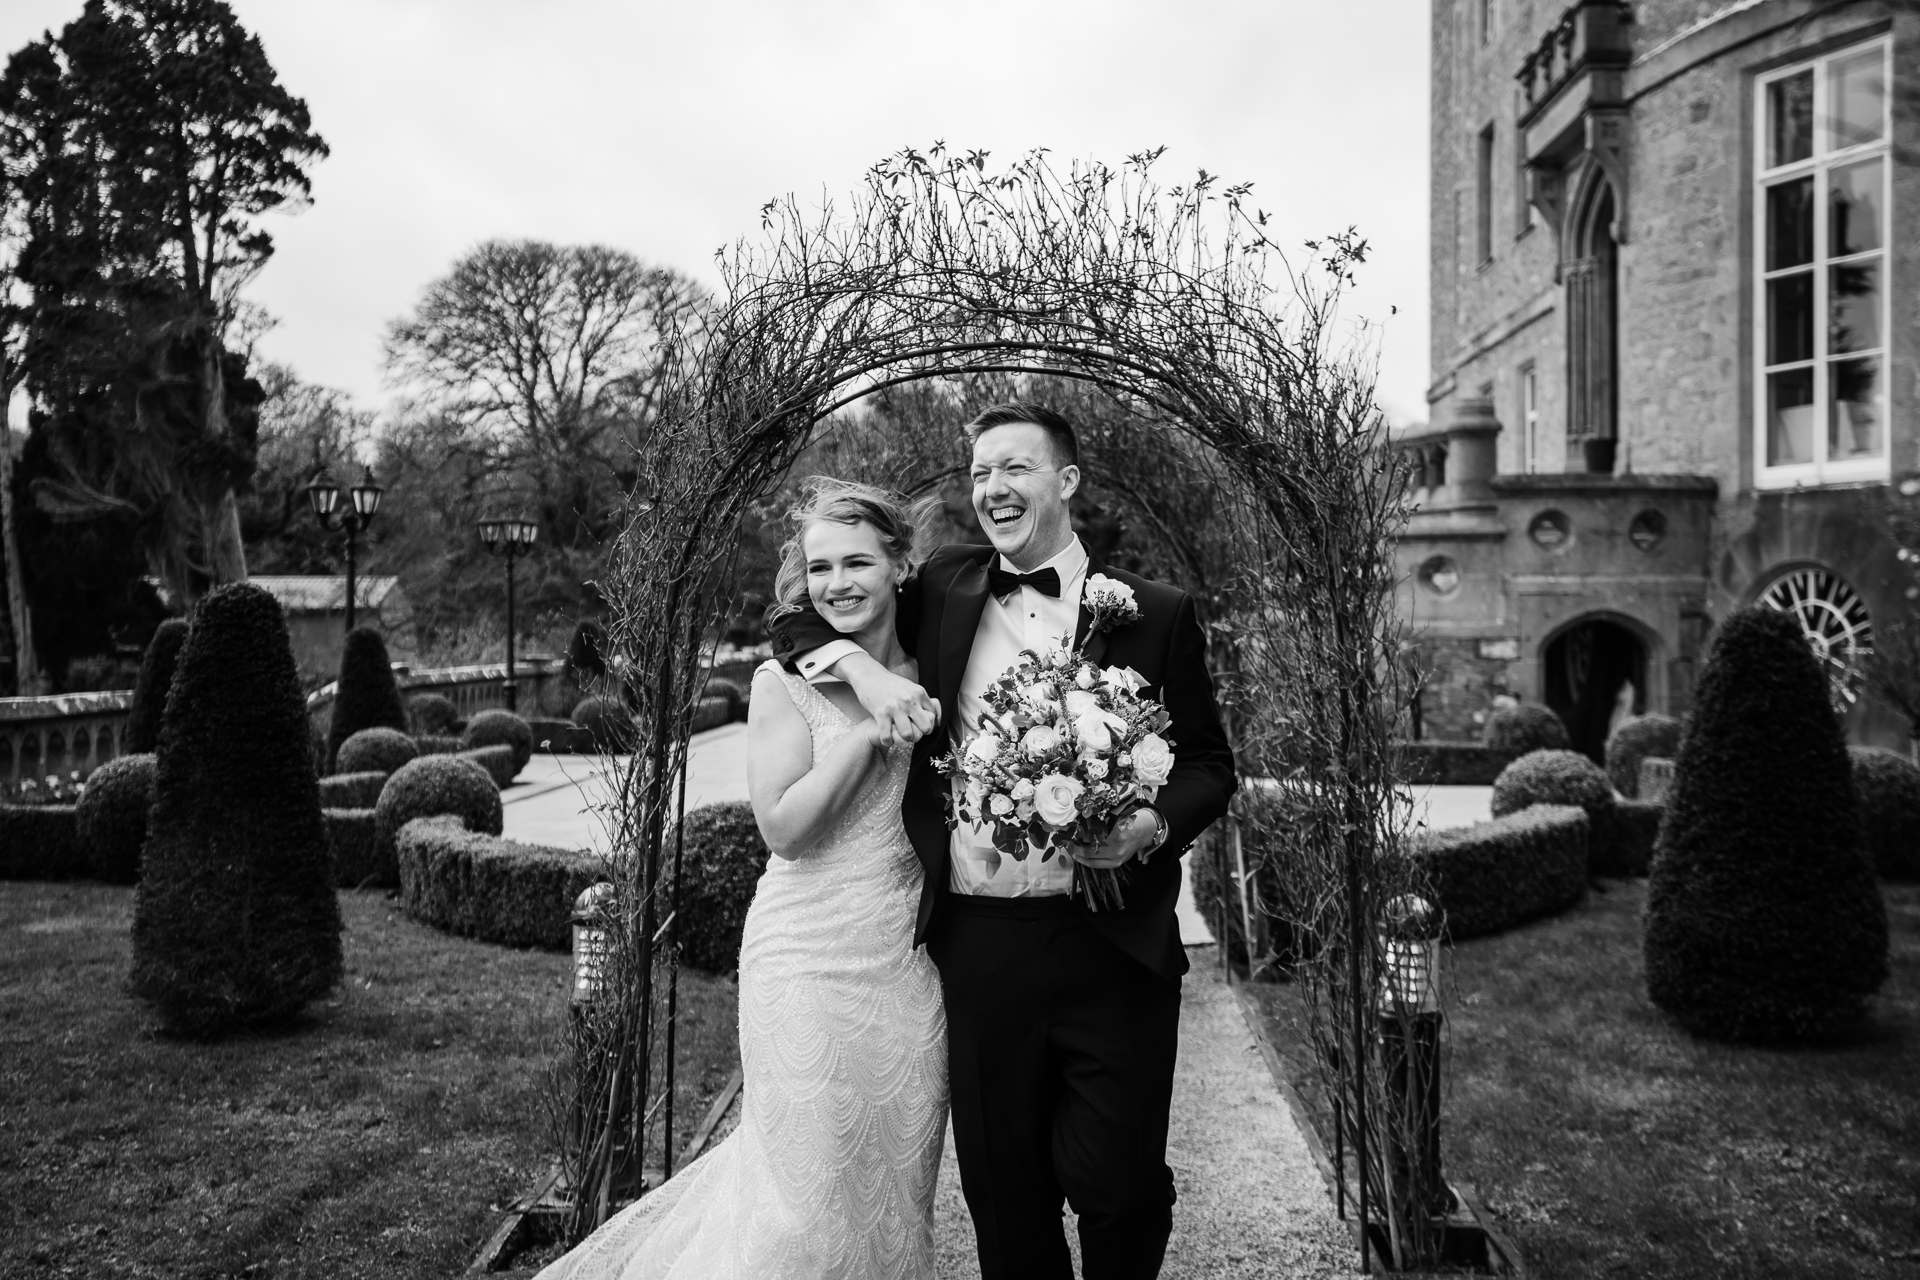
1252 1204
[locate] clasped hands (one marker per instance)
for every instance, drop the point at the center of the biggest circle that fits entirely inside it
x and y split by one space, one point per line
903 713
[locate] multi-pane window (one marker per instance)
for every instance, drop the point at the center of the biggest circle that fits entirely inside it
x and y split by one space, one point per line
1821 307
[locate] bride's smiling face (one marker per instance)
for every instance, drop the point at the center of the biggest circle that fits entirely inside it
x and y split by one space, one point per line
849 575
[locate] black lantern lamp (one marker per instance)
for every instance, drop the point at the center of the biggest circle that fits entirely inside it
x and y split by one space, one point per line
1410 1041
510 538
363 501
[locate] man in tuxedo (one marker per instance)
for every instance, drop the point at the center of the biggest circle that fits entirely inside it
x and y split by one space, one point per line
1061 1022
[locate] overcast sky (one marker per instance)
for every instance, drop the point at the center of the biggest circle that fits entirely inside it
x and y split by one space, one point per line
662 128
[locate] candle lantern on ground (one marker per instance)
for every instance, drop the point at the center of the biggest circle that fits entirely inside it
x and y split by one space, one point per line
1410 1047
509 539
363 502
590 1005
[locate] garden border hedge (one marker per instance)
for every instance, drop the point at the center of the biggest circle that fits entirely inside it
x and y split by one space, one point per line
1494 875
41 842
1432 762
1636 829
497 760
358 861
352 790
488 887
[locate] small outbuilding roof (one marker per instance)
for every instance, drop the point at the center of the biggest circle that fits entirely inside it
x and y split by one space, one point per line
299 593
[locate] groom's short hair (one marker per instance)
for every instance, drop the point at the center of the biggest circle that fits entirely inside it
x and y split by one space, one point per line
1060 435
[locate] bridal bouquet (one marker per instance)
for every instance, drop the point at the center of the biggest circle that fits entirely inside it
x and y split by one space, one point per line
1066 751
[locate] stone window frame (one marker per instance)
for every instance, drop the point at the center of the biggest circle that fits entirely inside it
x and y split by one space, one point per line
1527 382
1822 161
1485 148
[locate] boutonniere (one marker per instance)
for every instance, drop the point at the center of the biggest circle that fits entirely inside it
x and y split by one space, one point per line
1110 604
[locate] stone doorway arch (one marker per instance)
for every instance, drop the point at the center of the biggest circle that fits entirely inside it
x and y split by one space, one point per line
1594 672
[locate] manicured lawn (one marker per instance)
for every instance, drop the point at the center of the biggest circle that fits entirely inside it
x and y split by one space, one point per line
379 1137
1614 1144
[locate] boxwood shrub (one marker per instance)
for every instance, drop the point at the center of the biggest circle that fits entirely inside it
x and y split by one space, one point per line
435 785
731 690
1526 726
379 750
1211 869
432 713
497 761
1633 741
720 866
352 790
438 744
500 728
366 697
1560 777
609 724
1494 875
1656 779
359 859
710 713
112 817
481 886
562 736
1451 764
1888 787
150 690
235 921
1636 828
41 842
1763 920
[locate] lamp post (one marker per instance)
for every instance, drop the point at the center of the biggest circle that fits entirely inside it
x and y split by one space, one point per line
363 501
511 538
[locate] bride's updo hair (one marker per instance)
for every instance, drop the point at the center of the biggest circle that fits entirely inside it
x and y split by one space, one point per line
898 522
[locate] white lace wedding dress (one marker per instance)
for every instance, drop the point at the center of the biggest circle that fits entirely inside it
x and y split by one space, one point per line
844 1044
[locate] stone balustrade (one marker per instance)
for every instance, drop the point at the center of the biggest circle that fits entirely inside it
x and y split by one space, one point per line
1591 33
60 735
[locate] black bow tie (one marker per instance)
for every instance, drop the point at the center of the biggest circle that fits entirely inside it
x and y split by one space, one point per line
1045 581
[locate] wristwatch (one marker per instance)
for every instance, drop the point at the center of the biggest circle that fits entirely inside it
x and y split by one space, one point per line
1160 831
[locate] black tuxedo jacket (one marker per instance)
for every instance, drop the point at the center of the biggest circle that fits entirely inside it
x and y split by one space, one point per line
939 613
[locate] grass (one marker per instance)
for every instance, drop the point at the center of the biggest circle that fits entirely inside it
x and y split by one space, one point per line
1613 1144
378 1137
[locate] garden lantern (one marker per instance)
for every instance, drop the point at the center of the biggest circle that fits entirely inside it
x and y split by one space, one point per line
511 538
1410 1048
590 942
363 500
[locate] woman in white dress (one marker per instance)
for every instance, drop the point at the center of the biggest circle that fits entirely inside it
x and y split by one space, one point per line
842 1032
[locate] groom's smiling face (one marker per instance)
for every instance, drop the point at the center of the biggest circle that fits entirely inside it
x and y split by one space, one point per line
1020 493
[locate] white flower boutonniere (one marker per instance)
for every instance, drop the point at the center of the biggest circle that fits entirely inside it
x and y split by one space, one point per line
1110 604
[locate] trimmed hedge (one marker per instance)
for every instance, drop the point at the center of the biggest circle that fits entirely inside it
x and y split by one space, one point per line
1560 777
352 790
497 761
1451 764
235 921
1656 779
1888 786
736 696
711 713
480 886
1763 921
606 722
112 817
150 690
41 842
367 696
435 785
562 736
721 863
378 750
438 744
1524 727
432 713
1636 829
359 859
1210 868
1635 740
500 728
1494 875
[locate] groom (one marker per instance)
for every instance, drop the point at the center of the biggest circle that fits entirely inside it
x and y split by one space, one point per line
1061 1023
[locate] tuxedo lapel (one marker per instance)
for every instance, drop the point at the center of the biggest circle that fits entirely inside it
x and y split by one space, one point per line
966 600
1096 645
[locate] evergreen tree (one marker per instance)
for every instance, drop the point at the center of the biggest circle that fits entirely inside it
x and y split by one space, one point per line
156 678
367 696
236 921
1763 920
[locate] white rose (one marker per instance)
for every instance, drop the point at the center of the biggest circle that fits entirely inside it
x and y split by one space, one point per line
1102 590
1058 659
1023 789
1096 769
1094 734
1001 806
1079 702
1124 678
976 792
1086 676
984 748
1040 740
1152 760
1056 799
1024 811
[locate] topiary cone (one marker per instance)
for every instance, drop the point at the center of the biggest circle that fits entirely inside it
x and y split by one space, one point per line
1763 921
367 696
150 691
235 921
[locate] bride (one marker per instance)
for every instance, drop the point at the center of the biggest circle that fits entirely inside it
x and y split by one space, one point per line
842 1032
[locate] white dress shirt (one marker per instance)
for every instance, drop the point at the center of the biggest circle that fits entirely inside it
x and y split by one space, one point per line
1024 619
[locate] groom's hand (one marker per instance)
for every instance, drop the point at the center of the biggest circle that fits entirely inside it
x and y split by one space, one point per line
900 708
1131 837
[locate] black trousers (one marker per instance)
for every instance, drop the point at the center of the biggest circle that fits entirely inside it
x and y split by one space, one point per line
1061 1052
